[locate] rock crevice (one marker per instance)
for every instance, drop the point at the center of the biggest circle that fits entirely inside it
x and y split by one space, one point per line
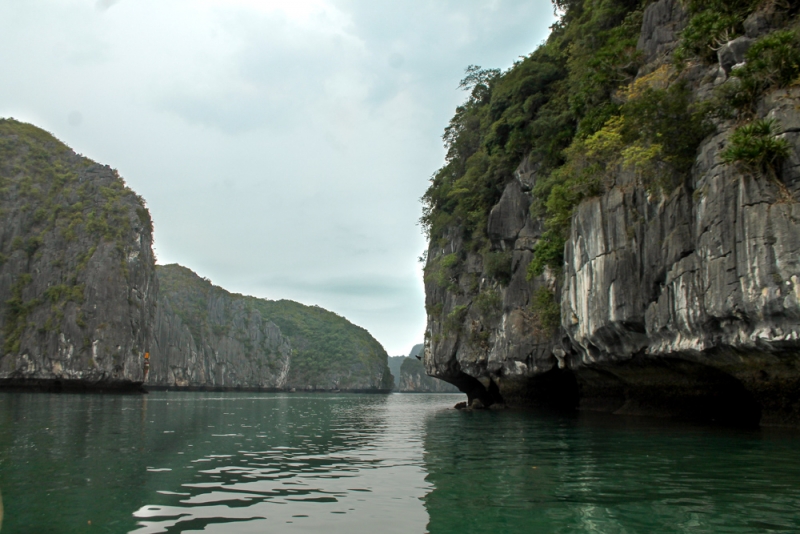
670 302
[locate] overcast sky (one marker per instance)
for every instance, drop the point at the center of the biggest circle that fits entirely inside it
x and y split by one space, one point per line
282 145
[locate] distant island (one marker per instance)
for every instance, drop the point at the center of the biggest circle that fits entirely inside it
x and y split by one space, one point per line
410 375
206 336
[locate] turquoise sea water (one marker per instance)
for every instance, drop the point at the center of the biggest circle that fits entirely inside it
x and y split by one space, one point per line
248 463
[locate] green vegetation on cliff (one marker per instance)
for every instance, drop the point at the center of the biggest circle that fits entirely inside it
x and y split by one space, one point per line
66 221
712 23
326 344
535 109
574 108
327 350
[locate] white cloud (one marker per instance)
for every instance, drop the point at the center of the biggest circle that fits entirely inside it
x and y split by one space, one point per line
296 9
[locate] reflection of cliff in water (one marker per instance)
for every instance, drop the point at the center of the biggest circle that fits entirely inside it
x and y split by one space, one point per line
523 472
314 455
66 446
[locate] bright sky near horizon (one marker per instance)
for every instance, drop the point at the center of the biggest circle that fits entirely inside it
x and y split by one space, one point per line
282 145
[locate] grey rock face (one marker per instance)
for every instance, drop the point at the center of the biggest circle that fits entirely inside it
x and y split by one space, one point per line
707 275
207 337
763 20
394 367
414 379
77 275
685 303
661 26
508 217
396 362
234 347
487 338
733 53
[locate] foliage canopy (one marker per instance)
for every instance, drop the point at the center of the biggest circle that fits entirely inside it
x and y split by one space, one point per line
574 109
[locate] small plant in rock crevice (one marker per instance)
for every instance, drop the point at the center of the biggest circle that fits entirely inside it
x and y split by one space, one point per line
442 270
773 62
498 266
711 24
546 311
455 319
490 304
757 148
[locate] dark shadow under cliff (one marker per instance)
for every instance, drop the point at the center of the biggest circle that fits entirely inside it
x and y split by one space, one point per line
669 387
28 385
651 387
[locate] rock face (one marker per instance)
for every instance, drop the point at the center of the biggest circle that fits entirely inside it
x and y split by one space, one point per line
685 303
414 379
394 367
206 337
411 377
505 342
77 275
663 21
701 285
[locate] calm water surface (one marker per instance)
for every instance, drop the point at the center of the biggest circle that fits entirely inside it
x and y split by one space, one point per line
246 463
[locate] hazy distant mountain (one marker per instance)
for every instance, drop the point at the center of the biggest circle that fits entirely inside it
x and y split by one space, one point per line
410 376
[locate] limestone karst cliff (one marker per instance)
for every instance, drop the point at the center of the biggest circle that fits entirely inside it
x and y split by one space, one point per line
620 233
77 275
394 367
411 376
396 362
207 337
415 379
80 303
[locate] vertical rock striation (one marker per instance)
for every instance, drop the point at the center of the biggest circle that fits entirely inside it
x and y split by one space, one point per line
206 337
682 301
77 276
701 284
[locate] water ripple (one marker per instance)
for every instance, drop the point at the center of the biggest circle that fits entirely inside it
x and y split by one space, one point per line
240 463
300 467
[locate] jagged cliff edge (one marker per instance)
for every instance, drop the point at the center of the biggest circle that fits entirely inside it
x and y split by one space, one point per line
76 267
684 303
